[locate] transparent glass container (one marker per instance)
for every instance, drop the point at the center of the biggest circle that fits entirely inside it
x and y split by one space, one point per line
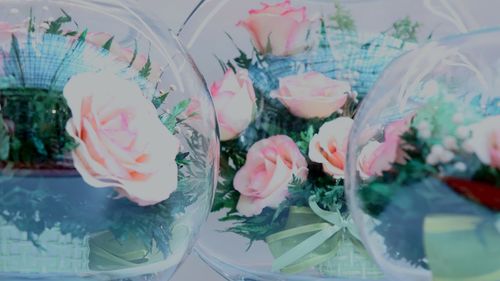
284 75
108 143
428 208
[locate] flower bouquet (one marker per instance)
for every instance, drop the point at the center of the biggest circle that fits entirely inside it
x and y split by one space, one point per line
104 174
436 185
429 208
285 112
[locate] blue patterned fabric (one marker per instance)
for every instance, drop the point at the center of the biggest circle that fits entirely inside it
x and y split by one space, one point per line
48 61
354 57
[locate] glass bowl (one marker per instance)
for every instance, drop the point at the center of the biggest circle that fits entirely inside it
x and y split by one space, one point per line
423 170
108 143
284 75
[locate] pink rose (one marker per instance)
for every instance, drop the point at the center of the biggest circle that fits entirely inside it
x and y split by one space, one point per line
270 166
329 146
125 55
312 95
234 100
485 140
279 29
376 158
122 142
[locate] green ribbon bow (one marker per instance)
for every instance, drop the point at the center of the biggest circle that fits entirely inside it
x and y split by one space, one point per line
462 248
314 236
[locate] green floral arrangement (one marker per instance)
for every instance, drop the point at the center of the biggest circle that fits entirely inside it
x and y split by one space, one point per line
89 154
435 186
285 113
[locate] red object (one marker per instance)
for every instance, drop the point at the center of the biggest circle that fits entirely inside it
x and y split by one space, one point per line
483 193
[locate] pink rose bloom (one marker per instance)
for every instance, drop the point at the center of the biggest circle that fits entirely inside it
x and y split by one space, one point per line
122 142
281 27
125 55
270 166
376 158
485 140
329 146
235 103
312 95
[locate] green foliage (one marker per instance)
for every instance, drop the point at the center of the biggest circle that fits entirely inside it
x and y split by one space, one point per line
39 142
108 44
4 141
488 174
342 19
40 118
31 23
172 119
305 138
56 26
145 71
134 55
231 160
259 227
158 101
406 30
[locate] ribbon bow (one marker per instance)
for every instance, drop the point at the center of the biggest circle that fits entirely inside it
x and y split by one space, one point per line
319 241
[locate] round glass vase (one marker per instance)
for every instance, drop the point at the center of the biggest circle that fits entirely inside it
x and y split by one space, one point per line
428 207
284 75
108 143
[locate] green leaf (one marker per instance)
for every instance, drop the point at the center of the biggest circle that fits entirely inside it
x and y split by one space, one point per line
55 27
71 33
342 19
31 24
169 119
158 101
134 55
406 30
4 141
181 107
145 72
108 44
83 36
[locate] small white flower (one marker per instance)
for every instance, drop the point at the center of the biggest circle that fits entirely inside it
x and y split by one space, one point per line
463 132
14 11
438 150
460 166
432 159
446 156
425 134
450 143
468 146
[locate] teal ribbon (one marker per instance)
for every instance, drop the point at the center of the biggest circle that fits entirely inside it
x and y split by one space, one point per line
336 224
